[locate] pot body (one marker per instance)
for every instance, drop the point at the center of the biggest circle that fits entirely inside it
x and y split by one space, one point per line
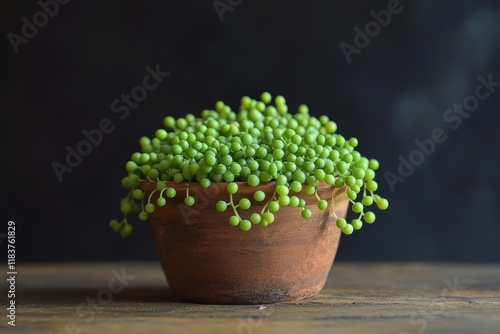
206 260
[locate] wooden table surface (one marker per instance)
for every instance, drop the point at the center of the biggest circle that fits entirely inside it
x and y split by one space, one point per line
358 298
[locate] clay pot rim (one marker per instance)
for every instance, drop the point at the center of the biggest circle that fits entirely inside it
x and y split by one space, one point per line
245 189
148 185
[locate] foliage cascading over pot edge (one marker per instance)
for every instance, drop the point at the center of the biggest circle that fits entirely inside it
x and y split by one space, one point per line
260 143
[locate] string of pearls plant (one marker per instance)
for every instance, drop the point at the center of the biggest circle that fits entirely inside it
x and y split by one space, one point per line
262 142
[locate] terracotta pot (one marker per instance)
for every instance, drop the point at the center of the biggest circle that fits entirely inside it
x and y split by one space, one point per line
207 260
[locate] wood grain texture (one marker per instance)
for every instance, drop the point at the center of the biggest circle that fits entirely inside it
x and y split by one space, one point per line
358 298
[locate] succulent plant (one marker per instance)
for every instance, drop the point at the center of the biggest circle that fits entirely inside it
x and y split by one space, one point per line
260 143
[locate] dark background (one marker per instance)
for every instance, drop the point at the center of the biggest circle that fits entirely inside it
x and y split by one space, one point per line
394 91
